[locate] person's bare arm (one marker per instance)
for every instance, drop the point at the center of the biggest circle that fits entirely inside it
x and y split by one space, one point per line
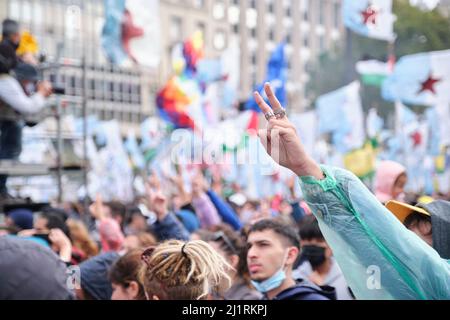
62 244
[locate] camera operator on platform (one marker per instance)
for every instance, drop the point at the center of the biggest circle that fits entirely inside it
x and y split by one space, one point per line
19 96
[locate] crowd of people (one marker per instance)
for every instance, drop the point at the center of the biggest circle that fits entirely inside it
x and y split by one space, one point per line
205 244
201 246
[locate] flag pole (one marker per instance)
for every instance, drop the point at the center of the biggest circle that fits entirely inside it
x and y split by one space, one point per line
348 56
392 59
84 114
58 115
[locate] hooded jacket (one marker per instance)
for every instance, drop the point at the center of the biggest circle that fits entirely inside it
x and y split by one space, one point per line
305 290
334 279
379 257
440 222
387 174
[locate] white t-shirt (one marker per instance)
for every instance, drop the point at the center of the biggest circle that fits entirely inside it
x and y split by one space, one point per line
13 95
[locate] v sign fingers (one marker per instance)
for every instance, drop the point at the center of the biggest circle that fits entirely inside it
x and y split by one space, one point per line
274 102
281 141
265 108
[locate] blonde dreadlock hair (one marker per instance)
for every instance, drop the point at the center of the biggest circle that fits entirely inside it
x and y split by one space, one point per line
176 270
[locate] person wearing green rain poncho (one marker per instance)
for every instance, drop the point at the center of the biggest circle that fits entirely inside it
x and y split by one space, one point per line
380 258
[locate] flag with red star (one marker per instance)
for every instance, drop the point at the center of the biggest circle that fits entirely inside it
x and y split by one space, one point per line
131 33
416 138
340 114
370 18
420 79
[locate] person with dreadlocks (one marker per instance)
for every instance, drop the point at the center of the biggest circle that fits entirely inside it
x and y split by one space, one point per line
176 270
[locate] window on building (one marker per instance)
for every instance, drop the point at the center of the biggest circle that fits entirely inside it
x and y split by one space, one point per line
321 12
73 22
219 10
289 38
220 40
254 59
305 7
270 6
202 28
306 40
337 14
271 34
176 29
200 4
98 89
288 11
233 15
252 18
254 79
322 43
14 10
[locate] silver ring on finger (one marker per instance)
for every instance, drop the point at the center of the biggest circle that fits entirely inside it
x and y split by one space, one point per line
269 115
280 114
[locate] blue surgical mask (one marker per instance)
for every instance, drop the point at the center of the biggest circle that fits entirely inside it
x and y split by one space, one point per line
273 282
269 284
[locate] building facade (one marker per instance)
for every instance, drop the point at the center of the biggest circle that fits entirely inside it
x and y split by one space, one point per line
309 27
69 30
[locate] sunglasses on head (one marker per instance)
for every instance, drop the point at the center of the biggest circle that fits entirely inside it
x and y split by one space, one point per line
221 236
146 255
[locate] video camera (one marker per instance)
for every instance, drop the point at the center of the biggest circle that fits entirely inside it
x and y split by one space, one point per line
57 88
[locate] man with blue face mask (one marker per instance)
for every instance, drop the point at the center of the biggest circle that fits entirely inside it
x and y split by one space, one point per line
273 248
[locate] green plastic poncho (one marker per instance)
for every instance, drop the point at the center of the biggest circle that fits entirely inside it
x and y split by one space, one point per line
380 258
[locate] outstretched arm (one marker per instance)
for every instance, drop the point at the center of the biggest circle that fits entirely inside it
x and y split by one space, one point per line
167 225
380 258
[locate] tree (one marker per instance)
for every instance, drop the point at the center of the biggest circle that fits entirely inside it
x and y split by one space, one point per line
420 31
417 31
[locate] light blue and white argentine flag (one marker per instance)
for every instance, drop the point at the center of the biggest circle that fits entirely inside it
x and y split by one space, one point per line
421 79
340 113
370 18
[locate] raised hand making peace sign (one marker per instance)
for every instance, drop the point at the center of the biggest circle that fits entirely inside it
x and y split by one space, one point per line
280 138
